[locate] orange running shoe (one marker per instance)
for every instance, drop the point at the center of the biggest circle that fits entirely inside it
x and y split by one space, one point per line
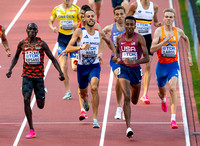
174 125
83 116
31 134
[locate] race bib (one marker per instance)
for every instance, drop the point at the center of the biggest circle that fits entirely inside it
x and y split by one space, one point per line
32 57
168 51
143 27
66 24
129 55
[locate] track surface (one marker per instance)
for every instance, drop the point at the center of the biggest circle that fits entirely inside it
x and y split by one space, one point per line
57 124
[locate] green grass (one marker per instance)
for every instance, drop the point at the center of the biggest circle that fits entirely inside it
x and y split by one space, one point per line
194 69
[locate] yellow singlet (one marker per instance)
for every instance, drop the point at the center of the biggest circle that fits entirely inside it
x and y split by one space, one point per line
66 18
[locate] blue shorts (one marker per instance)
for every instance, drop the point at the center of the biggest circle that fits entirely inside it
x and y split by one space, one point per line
113 65
86 72
133 74
165 72
63 41
36 84
116 3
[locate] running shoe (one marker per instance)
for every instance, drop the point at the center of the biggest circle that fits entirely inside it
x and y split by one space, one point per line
164 106
67 96
145 99
95 124
31 134
174 125
86 105
118 113
83 116
129 132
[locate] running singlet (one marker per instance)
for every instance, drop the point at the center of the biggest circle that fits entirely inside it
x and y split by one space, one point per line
144 18
114 35
33 56
66 18
130 50
0 30
168 53
89 56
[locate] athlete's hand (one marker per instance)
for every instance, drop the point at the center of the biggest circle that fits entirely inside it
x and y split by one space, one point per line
61 77
63 53
158 24
8 74
114 59
128 61
55 29
85 46
8 52
100 58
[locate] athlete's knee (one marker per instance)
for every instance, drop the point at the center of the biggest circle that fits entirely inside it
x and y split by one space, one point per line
40 103
94 88
134 100
172 90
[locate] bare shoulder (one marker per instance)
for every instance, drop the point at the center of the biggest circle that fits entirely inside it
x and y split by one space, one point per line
133 5
108 28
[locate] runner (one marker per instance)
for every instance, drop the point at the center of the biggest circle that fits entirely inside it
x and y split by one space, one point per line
33 49
165 43
145 11
130 47
114 30
67 14
88 68
4 40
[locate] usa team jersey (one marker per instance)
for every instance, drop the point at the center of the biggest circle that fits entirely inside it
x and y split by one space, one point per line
144 18
168 53
89 56
114 35
33 56
130 50
66 18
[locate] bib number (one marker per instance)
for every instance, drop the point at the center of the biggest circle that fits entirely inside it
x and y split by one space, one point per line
129 55
168 51
32 57
66 25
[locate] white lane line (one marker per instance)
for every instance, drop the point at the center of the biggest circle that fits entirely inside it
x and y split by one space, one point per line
103 131
182 98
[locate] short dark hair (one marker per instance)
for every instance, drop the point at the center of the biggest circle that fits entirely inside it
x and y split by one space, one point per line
130 17
119 8
85 7
89 10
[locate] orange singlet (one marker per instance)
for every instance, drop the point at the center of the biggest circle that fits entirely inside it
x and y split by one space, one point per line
168 53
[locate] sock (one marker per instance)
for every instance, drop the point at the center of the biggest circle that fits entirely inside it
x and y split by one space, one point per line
164 100
83 109
173 117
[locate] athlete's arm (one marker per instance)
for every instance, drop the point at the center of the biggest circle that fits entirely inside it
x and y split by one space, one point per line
155 17
75 38
156 44
187 44
132 9
15 58
51 21
5 42
117 59
108 29
48 52
108 42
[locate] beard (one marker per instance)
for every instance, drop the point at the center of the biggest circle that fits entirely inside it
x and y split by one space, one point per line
91 25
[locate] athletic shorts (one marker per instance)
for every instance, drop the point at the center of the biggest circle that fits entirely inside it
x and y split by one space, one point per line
148 40
86 72
133 74
96 0
113 65
117 3
28 84
165 72
63 41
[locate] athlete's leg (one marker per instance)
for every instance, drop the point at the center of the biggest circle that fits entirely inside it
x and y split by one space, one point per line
147 75
94 83
135 90
125 87
118 90
173 94
97 9
91 4
125 5
82 94
162 92
64 67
